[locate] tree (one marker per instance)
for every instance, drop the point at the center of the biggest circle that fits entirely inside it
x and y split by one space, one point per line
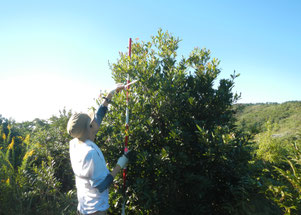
187 157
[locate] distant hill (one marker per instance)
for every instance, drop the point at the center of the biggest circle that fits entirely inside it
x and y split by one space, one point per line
285 116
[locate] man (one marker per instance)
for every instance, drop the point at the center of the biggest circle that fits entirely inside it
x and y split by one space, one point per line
89 166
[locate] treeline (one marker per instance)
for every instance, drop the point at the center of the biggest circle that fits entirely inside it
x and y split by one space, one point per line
35 172
286 117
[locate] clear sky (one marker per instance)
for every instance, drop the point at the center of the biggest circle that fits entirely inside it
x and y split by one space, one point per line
55 54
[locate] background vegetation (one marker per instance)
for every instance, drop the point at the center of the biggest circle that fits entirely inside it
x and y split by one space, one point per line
275 130
253 117
194 150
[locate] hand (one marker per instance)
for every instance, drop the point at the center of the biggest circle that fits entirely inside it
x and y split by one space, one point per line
128 153
122 161
117 89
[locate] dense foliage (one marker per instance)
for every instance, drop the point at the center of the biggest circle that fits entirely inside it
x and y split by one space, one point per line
35 172
188 158
277 145
190 153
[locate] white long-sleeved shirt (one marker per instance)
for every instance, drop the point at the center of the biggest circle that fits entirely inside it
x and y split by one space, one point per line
90 170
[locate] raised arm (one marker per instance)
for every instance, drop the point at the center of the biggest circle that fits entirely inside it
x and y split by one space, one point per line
103 108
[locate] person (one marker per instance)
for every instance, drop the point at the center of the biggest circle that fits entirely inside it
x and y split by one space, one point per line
92 177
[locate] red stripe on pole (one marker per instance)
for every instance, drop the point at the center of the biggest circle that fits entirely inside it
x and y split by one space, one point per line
124 179
127 125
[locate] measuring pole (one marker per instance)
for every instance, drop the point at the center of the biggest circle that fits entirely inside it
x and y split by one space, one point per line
126 129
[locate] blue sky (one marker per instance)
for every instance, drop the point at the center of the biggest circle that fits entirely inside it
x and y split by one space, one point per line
55 54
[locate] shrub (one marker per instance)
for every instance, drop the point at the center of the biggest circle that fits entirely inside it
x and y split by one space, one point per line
188 160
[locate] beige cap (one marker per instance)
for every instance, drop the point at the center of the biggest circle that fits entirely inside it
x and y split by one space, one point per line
79 123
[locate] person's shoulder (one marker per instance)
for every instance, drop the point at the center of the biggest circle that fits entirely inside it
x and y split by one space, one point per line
90 147
89 155
82 147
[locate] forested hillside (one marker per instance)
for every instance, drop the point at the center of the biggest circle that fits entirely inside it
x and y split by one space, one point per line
286 117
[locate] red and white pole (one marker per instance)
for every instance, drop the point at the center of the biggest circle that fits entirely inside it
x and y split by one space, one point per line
126 129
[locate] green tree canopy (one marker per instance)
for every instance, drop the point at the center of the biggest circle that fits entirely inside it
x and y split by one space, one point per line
188 161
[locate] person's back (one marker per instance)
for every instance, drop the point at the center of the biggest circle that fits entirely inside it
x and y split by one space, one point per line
90 169
89 166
